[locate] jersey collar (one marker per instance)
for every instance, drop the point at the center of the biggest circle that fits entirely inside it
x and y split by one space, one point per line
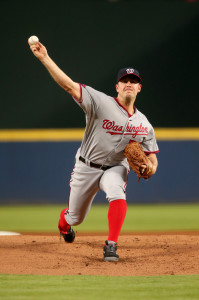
124 107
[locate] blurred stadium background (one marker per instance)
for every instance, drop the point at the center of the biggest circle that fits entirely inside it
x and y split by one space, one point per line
40 125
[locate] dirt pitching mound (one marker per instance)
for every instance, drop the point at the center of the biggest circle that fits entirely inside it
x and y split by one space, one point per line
155 254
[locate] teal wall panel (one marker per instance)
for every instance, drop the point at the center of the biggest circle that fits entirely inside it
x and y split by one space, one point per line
40 173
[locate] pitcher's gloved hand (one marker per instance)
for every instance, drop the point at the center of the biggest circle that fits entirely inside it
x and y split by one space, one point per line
138 160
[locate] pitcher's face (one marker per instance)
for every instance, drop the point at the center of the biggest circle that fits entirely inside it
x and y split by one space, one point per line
127 87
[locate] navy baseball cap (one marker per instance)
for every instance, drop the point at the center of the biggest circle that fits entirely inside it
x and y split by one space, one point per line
128 71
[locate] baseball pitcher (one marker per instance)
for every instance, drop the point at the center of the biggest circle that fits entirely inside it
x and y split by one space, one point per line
114 126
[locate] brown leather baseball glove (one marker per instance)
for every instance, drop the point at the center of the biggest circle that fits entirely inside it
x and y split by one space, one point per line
137 160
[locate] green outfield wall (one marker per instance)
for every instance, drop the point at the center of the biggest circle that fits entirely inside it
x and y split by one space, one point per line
91 41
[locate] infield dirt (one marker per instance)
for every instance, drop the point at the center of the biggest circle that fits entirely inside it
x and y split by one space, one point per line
140 254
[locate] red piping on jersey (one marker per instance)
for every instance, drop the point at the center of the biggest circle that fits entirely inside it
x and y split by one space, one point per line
124 107
149 152
81 100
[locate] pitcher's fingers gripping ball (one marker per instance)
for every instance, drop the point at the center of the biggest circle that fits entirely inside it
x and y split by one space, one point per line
138 160
33 40
37 48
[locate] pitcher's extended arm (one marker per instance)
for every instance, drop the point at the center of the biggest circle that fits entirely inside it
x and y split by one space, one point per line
58 75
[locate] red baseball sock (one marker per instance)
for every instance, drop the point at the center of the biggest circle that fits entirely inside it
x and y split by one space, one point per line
63 225
116 216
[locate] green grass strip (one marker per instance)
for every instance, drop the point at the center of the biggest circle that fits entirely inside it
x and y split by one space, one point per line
139 218
23 287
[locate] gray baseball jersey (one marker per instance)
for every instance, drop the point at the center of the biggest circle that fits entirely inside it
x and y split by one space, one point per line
109 128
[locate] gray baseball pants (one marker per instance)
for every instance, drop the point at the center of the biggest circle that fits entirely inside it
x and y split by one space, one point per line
86 181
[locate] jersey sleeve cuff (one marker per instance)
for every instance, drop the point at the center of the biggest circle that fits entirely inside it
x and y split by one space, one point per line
81 99
150 152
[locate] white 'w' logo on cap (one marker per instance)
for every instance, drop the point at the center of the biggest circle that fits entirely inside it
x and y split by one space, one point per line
129 71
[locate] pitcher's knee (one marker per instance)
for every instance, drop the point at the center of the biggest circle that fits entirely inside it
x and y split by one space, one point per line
115 193
74 220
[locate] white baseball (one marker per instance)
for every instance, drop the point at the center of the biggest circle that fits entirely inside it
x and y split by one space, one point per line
33 40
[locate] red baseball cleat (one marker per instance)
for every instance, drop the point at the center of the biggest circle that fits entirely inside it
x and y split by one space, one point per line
65 229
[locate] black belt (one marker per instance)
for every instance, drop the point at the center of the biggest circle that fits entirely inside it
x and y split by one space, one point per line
104 168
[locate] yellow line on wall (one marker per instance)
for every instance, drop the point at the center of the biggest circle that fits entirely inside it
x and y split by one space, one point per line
66 135
177 134
41 135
